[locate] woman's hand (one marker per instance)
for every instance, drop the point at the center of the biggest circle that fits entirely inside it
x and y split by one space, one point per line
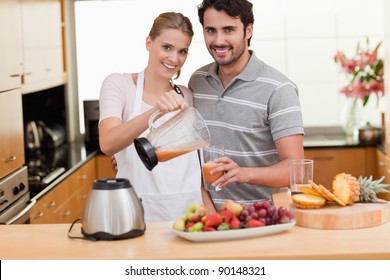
171 101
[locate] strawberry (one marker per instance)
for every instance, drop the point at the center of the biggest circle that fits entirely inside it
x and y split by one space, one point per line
194 218
213 220
208 228
234 223
227 216
188 225
255 223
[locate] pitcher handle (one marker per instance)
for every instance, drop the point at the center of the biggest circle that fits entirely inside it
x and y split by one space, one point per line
152 117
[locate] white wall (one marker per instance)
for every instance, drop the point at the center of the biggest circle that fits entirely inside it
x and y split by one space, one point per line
298 37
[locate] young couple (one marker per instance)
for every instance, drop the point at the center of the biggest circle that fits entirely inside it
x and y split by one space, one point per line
250 108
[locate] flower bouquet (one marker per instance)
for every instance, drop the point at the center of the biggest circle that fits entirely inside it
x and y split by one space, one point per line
365 73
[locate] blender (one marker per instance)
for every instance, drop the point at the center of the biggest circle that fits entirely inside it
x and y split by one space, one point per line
184 132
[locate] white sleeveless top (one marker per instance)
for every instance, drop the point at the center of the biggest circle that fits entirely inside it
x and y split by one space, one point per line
171 186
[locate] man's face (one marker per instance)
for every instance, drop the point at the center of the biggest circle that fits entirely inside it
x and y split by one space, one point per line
224 37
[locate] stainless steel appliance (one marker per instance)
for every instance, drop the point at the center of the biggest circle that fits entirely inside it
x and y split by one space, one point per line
15 201
14 189
113 211
91 122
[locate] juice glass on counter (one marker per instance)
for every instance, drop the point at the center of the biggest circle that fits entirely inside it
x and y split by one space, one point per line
301 172
209 155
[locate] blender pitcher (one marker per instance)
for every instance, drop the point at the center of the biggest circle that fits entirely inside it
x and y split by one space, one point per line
184 132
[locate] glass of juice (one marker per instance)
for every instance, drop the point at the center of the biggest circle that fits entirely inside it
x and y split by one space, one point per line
211 153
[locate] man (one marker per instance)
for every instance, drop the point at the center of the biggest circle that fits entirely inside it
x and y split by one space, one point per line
250 108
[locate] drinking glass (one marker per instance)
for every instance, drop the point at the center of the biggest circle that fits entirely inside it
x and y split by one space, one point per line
301 172
211 153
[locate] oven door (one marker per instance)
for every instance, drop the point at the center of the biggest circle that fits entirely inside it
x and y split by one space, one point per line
18 212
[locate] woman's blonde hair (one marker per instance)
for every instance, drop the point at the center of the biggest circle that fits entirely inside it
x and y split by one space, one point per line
171 20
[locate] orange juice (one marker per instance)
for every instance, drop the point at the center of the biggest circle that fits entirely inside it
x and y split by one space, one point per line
167 155
210 178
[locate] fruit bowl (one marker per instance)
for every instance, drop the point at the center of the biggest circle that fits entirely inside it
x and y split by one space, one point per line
207 236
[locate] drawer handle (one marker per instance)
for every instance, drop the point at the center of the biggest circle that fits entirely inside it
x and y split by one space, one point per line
66 213
51 204
11 158
38 215
14 75
382 163
83 177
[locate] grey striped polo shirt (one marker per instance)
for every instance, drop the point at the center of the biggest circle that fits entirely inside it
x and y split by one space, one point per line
259 106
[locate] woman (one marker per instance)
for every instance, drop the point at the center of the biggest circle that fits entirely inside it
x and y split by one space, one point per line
126 103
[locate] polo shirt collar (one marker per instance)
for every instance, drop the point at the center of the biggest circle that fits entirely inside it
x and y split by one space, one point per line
250 72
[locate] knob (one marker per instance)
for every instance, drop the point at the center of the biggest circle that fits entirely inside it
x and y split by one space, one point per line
16 190
22 187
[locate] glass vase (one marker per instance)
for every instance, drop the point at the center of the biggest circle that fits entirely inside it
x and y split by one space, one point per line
351 117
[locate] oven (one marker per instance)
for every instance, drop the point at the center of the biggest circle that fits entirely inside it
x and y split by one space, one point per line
15 203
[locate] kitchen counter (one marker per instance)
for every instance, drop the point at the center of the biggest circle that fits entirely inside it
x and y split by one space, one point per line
50 241
331 137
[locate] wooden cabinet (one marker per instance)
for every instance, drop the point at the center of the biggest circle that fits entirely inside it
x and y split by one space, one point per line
11 131
11 45
31 51
65 203
328 162
383 169
104 168
43 60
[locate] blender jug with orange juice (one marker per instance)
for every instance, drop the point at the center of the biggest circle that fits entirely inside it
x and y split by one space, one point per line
184 132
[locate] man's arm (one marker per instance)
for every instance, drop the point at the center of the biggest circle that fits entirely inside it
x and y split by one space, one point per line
275 176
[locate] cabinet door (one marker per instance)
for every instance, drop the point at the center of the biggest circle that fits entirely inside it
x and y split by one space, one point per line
65 203
11 131
42 41
329 162
44 211
383 169
104 167
79 185
11 45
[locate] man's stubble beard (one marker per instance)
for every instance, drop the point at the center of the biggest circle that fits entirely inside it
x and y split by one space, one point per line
235 57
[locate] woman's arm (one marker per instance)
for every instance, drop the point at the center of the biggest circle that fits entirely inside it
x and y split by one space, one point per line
115 135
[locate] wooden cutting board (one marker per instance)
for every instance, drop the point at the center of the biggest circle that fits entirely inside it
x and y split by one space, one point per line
333 216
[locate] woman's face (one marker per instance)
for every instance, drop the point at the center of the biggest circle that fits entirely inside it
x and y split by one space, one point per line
168 51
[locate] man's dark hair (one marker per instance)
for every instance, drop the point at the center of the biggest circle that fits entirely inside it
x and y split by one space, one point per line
235 8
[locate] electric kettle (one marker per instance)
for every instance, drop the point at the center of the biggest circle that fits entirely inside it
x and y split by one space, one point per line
113 211
186 131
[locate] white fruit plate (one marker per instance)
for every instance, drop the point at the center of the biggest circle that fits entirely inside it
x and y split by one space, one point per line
206 236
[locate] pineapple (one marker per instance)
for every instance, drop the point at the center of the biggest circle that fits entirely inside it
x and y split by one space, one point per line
370 188
346 187
308 201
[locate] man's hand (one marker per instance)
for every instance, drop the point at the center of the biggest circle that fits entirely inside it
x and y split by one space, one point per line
233 173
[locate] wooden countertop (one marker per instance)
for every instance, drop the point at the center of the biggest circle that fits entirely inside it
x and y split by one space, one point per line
50 241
